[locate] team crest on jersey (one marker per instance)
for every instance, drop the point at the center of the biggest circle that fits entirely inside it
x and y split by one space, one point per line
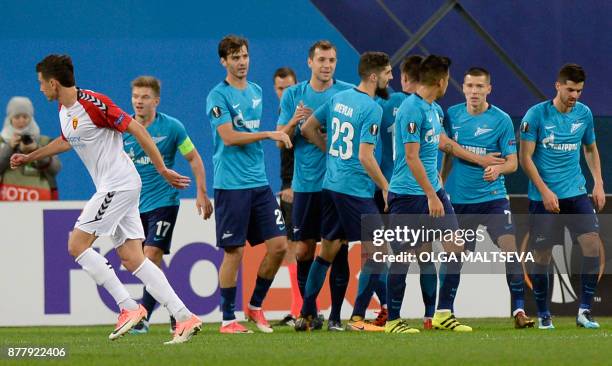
216 111
75 122
374 130
412 127
525 127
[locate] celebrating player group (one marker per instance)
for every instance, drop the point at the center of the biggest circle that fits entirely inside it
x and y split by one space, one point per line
356 150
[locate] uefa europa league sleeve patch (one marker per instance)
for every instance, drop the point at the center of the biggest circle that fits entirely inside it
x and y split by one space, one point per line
374 130
525 127
216 111
412 127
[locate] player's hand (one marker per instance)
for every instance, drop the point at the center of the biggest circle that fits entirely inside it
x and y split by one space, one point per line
436 208
175 179
385 193
301 114
286 195
491 173
599 197
18 160
14 141
491 159
204 206
551 202
280 136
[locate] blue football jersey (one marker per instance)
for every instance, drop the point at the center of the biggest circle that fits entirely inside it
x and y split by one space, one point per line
488 132
351 117
385 148
170 136
416 121
558 137
309 165
236 167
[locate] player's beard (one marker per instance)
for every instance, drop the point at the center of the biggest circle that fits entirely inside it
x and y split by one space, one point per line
382 92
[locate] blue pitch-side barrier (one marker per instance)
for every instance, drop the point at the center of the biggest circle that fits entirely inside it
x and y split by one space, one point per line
115 41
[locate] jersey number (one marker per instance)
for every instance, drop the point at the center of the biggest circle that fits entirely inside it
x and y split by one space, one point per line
346 129
279 217
162 228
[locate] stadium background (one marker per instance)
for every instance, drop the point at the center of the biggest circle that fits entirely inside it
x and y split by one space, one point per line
113 42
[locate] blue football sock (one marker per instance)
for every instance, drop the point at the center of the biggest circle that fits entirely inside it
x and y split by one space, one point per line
368 280
429 287
381 287
450 275
396 286
148 302
316 277
303 268
540 288
262 285
338 282
516 284
590 273
228 298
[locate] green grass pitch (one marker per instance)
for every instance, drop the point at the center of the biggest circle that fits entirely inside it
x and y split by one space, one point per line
493 342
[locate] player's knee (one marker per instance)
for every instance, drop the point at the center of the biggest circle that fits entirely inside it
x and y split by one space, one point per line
74 249
543 256
304 251
589 243
154 254
232 254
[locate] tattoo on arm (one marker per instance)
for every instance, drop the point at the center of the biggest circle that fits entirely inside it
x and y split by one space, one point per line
448 148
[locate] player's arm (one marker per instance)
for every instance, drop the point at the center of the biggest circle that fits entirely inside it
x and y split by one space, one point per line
146 142
310 130
591 155
203 204
492 172
450 146
232 137
549 198
447 165
57 146
411 149
301 113
369 163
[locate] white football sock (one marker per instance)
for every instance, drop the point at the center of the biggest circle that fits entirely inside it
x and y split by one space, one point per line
158 286
102 272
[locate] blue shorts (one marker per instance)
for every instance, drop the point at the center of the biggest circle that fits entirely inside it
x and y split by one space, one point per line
547 229
416 207
286 209
249 215
306 216
495 215
158 226
342 215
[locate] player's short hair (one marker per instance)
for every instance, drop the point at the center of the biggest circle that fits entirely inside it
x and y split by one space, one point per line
478 71
433 68
283 72
148 82
231 44
410 66
571 72
323 45
58 67
372 62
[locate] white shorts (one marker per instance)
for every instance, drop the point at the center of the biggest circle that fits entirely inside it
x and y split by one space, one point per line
113 214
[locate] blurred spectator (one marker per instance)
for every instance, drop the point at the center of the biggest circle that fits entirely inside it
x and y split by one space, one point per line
34 181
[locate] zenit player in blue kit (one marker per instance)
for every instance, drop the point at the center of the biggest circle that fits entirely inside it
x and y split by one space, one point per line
552 133
352 120
297 104
159 202
479 195
245 205
415 189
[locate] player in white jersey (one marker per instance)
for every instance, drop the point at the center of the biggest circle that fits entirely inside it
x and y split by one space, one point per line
93 125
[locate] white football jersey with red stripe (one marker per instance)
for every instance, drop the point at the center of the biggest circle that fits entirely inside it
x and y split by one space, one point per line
93 126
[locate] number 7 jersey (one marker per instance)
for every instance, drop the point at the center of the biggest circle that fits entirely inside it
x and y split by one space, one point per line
351 117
